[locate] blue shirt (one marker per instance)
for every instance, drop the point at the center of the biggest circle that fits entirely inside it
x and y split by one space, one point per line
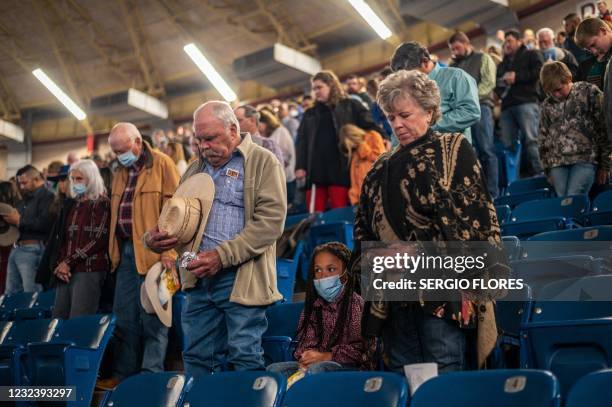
459 103
226 217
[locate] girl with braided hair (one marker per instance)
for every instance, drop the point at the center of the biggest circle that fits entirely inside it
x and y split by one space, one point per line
329 331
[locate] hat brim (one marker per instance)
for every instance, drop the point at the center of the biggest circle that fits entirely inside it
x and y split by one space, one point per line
201 187
150 299
9 237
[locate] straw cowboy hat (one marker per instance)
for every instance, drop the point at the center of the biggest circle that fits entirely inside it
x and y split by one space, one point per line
183 216
9 234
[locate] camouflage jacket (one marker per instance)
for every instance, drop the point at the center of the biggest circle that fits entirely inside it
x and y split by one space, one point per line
574 131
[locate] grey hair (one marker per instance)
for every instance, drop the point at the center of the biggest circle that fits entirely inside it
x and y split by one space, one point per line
222 111
90 171
132 131
251 111
545 30
414 84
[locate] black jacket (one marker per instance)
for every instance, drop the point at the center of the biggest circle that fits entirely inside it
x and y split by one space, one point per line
36 217
347 111
526 88
45 275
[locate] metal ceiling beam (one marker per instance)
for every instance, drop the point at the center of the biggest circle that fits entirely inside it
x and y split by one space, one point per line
8 102
71 73
140 43
98 39
287 30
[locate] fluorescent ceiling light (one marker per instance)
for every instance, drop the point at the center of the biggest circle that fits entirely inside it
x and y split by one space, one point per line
210 72
59 94
371 18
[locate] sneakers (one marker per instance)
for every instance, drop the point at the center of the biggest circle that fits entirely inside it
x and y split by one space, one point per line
107 384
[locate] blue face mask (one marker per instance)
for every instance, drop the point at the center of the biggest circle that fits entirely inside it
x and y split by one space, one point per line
329 287
550 54
127 159
79 189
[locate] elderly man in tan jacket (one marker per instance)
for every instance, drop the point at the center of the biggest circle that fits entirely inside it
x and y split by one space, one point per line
142 184
233 278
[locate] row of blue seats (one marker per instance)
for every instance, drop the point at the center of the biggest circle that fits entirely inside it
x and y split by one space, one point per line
52 352
564 327
503 388
24 305
544 215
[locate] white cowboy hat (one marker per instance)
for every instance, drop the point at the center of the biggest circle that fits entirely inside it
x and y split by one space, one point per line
156 293
184 216
9 234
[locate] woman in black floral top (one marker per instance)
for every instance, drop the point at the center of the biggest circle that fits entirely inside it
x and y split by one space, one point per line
429 189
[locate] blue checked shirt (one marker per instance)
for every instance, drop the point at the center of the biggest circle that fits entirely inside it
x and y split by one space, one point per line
226 218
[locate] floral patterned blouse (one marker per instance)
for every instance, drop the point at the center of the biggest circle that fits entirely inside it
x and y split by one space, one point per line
430 190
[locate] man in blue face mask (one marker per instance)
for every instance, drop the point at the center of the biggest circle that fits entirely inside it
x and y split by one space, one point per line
546 42
141 185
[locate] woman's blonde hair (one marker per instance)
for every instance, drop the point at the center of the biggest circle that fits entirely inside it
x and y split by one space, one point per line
350 137
554 74
336 92
91 173
589 27
414 84
270 119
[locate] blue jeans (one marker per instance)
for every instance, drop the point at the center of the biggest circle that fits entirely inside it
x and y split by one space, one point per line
410 336
22 267
219 331
289 368
520 123
483 142
574 179
140 339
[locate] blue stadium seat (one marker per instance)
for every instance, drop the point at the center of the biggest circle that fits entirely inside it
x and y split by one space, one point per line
331 232
355 389
14 302
346 214
278 340
530 218
594 389
503 213
570 335
571 241
247 388
601 213
539 272
293 220
41 308
510 312
164 389
72 356
286 272
518 198
512 246
14 344
500 388
528 185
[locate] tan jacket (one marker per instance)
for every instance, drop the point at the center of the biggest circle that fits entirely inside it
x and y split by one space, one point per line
253 250
156 183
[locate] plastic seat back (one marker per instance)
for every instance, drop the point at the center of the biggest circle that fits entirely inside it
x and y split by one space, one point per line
162 389
594 389
245 388
500 388
355 389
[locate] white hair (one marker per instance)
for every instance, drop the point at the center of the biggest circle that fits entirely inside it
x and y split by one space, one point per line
93 179
132 131
222 111
545 30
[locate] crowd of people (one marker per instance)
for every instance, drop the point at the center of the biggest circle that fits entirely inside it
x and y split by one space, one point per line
416 147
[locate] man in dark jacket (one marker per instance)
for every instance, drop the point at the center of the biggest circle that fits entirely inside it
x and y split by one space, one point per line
33 219
518 88
482 68
571 22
